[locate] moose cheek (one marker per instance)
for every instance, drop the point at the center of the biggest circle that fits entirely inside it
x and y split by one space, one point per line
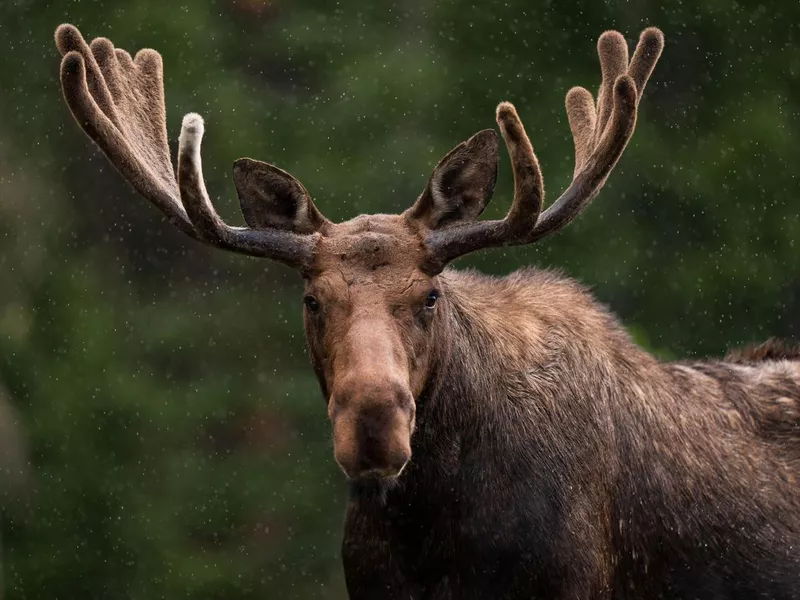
424 318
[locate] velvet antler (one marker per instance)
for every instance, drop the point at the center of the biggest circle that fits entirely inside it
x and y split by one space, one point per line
119 102
600 135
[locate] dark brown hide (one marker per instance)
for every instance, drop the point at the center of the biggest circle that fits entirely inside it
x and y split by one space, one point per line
553 458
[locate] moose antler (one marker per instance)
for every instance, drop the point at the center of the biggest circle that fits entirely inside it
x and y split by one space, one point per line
119 103
600 135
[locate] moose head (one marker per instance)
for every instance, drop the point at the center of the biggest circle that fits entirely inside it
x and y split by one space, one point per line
375 291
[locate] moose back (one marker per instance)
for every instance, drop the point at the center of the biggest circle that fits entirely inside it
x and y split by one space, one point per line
503 437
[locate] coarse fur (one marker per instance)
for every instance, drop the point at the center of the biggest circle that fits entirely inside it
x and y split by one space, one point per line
553 458
504 438
772 349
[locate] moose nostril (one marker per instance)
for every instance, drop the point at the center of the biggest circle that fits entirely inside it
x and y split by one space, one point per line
372 430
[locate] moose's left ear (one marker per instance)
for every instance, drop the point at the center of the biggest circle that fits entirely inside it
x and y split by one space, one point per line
272 199
461 185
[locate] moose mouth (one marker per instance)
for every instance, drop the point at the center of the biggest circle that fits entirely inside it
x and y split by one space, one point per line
374 486
378 473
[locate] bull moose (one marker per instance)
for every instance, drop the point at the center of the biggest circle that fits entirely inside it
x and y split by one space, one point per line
503 438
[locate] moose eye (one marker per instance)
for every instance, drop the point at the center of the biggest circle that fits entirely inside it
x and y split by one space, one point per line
312 304
430 301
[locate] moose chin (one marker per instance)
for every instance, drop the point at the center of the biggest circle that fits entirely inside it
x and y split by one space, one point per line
522 446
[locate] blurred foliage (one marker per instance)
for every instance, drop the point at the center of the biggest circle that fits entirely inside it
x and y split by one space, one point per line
179 444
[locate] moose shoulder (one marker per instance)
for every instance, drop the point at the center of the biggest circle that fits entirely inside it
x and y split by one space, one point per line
503 437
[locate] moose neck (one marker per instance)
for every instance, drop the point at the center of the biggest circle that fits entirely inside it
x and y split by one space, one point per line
527 330
519 356
527 368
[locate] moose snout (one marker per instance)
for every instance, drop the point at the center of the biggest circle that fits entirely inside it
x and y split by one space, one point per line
372 427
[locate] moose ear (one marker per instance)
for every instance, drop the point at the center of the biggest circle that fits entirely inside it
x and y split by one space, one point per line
272 199
461 185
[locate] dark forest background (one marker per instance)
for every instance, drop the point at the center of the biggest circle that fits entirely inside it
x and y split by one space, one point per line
163 435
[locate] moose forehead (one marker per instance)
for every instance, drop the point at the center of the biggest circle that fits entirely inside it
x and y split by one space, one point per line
371 248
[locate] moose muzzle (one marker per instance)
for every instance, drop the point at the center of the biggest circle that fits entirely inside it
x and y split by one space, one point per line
372 425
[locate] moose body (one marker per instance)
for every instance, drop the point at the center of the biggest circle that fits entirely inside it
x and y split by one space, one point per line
504 439
553 458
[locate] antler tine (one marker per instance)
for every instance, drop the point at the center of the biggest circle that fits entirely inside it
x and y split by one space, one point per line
612 50
600 136
119 103
645 57
528 182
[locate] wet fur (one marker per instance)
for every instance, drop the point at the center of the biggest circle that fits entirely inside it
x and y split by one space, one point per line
553 458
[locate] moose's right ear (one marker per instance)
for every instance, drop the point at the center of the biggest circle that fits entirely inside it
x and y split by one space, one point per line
272 199
461 185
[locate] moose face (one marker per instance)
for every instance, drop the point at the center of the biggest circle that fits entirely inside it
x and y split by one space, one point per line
370 312
371 305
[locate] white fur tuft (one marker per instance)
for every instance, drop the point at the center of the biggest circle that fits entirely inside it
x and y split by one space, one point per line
191 131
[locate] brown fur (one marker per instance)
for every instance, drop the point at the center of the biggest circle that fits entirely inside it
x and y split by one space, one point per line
504 438
554 458
772 349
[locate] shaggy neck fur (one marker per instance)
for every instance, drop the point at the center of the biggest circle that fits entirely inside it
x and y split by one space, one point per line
542 414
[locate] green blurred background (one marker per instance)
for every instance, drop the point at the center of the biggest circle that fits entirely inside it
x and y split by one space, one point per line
177 444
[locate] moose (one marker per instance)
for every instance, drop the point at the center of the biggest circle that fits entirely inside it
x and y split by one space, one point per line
503 438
